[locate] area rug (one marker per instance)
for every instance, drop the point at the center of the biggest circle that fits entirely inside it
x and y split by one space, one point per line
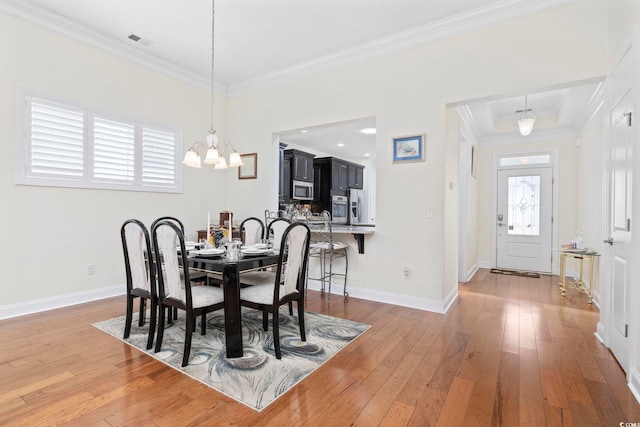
257 379
515 273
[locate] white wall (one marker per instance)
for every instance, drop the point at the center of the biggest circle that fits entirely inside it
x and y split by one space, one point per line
591 198
406 91
51 234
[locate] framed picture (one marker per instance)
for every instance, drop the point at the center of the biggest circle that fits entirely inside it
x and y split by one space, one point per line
408 149
249 170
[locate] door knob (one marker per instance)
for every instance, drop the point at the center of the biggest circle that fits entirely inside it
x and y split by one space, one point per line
609 241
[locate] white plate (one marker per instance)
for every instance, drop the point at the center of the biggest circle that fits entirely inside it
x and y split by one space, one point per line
208 252
254 251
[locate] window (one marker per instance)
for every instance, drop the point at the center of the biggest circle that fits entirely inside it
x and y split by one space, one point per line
523 214
70 146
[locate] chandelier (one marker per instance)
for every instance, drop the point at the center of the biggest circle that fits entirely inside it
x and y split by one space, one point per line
214 151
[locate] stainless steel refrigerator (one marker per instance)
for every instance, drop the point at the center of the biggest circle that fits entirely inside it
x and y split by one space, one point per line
358 205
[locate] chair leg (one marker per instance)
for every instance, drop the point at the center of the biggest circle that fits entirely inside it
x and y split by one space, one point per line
175 313
276 332
161 310
152 323
303 333
191 324
169 316
291 308
127 322
143 304
346 270
330 275
203 326
265 319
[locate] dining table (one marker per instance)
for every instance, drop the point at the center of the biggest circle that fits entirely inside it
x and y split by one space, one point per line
229 270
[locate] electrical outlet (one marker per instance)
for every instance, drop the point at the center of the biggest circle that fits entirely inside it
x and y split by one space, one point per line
91 269
405 271
429 213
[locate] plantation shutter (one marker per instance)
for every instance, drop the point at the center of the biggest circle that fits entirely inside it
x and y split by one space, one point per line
113 150
57 141
158 157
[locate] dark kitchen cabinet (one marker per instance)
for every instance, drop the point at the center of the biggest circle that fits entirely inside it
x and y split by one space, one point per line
355 176
301 165
281 181
286 181
334 177
338 175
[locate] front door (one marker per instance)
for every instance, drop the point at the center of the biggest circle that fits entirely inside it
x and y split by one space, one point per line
523 240
621 167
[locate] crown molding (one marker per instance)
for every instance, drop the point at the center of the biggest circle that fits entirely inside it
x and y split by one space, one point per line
132 53
591 108
496 12
469 123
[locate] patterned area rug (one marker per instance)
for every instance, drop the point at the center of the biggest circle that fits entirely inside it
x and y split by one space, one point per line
257 379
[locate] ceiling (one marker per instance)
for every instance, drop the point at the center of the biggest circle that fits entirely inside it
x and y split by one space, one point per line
343 140
259 42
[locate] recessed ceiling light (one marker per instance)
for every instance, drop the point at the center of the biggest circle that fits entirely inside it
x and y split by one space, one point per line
367 154
340 144
304 131
368 131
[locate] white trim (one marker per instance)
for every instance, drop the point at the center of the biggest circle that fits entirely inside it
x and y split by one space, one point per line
45 304
436 306
472 272
496 12
634 383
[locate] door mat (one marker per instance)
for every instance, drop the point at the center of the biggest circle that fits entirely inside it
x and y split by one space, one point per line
515 273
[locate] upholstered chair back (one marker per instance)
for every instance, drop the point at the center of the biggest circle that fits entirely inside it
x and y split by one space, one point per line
296 240
167 239
135 244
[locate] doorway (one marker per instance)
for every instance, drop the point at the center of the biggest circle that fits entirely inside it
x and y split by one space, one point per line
524 219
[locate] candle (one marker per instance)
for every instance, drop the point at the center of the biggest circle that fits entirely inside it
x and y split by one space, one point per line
230 227
208 225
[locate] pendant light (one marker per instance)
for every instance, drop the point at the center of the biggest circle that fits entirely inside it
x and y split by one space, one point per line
525 124
214 152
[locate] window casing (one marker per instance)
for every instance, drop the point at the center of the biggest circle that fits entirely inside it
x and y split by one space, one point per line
65 145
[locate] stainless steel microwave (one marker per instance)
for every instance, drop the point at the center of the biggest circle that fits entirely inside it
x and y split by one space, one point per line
301 190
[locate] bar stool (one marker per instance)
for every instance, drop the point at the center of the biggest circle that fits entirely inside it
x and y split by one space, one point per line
327 250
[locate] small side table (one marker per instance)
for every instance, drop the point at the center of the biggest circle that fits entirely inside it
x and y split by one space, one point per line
581 255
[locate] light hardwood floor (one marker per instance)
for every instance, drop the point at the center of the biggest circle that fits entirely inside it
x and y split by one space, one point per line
509 352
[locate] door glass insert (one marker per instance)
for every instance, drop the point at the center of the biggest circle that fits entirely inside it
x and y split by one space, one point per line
523 213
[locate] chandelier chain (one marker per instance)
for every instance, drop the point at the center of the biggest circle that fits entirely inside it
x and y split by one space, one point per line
213 19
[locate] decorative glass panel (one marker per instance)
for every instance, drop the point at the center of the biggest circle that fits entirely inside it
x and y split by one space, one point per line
523 214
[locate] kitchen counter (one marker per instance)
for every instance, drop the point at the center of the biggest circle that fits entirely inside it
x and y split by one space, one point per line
358 232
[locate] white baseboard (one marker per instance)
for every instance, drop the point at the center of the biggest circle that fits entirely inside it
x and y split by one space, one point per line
634 383
485 264
44 304
599 333
390 298
473 270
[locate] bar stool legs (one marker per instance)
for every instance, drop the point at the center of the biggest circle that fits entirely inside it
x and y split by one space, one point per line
327 277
